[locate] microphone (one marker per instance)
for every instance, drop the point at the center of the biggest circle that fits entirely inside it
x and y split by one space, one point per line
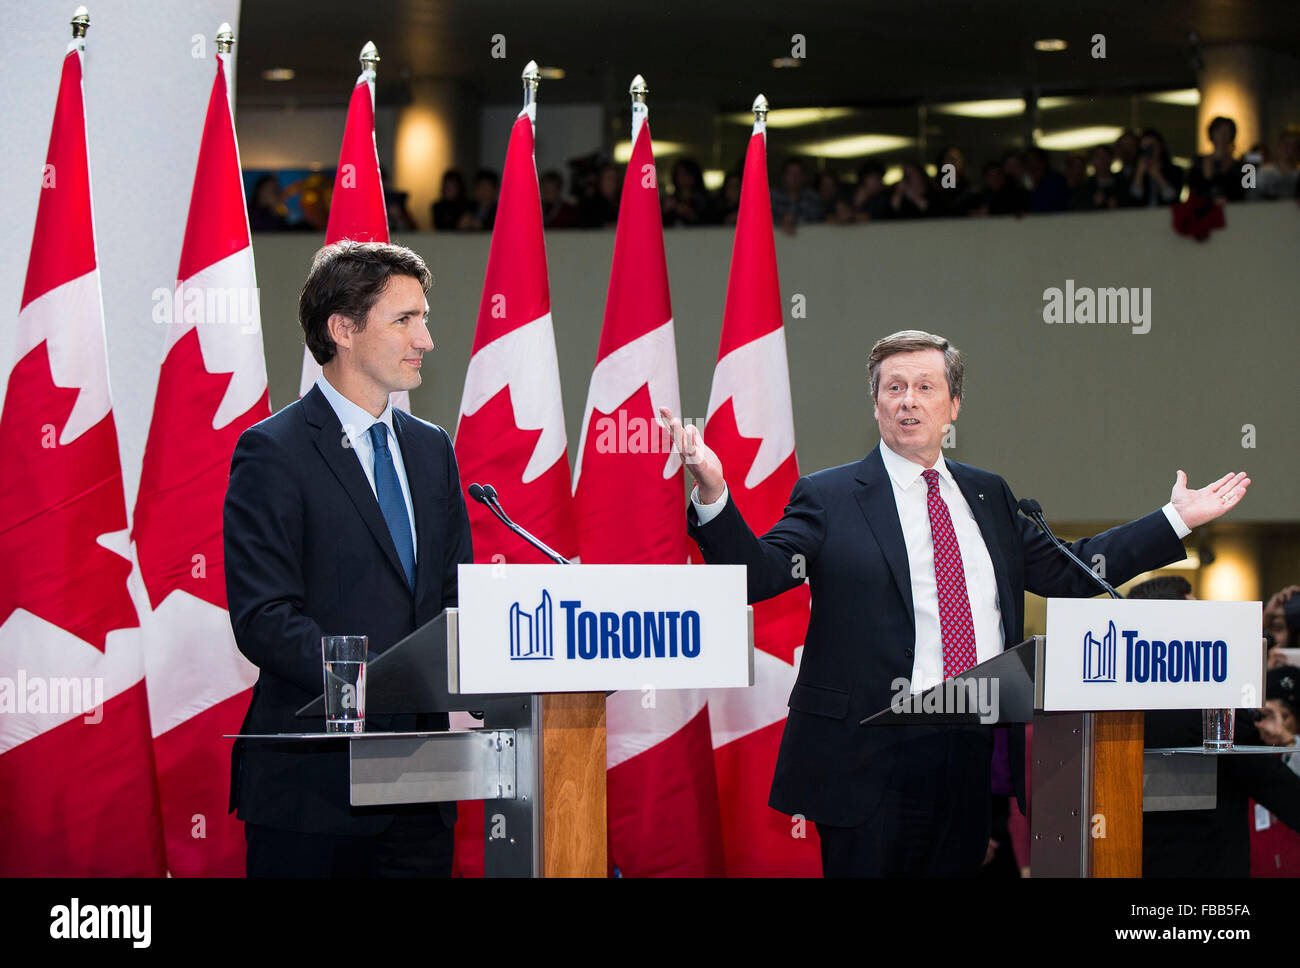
486 495
1034 511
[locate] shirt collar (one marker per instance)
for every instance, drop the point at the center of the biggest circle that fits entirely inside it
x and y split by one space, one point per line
904 472
356 421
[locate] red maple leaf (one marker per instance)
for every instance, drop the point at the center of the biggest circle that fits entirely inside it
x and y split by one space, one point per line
183 480
780 623
56 500
491 449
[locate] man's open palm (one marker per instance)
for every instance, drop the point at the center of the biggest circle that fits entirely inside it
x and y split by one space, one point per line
1199 507
699 459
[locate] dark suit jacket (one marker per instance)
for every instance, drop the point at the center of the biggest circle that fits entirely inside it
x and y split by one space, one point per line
844 523
1215 843
308 554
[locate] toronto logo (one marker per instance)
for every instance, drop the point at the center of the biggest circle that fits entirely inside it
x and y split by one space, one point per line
532 634
1099 657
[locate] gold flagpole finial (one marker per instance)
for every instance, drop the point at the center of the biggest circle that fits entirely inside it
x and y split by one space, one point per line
638 90
531 76
225 39
80 22
760 109
369 56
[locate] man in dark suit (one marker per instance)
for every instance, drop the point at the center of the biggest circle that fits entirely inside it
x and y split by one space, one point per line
918 568
343 516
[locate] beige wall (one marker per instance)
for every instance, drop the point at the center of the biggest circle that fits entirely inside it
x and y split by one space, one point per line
1092 421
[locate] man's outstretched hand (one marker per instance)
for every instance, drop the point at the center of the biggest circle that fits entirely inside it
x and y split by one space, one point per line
702 462
1213 500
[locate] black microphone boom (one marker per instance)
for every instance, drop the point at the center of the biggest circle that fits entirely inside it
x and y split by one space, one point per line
486 495
1034 511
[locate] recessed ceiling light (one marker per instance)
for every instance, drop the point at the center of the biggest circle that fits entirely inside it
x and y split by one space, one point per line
1073 138
1050 44
993 108
855 145
1187 97
793 117
787 62
551 73
623 150
278 74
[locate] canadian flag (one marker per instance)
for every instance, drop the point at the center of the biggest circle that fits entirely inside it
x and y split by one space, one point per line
76 761
750 426
629 496
510 432
357 209
212 386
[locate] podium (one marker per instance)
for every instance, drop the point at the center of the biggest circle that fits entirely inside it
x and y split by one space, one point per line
538 760
1086 695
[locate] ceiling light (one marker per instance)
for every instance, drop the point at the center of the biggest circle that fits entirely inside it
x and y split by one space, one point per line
623 150
995 108
1050 45
1188 97
1048 103
278 74
780 62
1069 139
855 145
551 73
793 117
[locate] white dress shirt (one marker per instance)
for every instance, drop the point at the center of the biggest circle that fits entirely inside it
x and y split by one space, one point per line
356 423
911 496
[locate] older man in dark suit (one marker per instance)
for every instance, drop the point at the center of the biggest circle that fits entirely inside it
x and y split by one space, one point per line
343 516
918 568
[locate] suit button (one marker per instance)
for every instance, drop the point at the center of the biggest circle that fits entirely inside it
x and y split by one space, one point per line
907 653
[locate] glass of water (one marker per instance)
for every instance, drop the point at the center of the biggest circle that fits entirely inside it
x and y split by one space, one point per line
1216 728
344 659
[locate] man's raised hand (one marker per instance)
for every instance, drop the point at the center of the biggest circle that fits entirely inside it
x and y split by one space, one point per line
1199 507
702 462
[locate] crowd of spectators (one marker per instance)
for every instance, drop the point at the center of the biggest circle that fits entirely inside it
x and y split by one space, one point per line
1135 171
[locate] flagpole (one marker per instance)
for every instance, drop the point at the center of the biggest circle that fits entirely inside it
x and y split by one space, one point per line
760 110
640 110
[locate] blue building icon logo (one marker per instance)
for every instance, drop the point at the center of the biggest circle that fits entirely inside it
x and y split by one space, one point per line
532 635
1099 656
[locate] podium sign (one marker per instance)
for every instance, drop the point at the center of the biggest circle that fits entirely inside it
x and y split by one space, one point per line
1145 654
598 628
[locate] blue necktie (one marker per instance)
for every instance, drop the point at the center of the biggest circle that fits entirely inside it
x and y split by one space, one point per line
389 492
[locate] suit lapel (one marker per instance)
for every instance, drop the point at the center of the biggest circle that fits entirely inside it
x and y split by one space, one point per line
342 461
981 507
876 498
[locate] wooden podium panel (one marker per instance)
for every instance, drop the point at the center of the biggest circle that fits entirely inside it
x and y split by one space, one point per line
573 785
1117 793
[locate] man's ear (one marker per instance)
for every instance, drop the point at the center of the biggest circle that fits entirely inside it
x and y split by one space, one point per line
956 406
341 330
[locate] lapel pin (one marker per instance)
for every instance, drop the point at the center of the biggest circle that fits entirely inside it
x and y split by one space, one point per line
981 497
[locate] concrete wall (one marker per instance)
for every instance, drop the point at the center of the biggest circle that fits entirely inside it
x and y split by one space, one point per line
1092 421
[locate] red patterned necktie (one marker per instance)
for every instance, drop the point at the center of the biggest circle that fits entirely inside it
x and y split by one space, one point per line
955 623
